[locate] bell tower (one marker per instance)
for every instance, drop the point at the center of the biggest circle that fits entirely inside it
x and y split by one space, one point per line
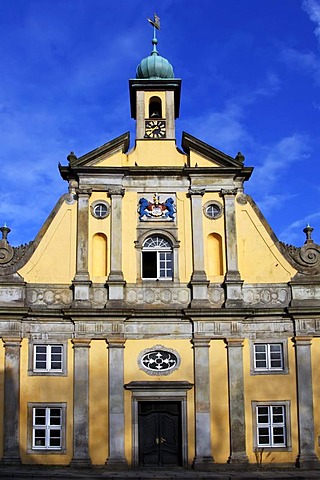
155 95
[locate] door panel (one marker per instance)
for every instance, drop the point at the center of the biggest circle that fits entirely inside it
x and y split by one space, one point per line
160 434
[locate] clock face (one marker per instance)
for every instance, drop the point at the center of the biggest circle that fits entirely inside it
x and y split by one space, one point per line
155 129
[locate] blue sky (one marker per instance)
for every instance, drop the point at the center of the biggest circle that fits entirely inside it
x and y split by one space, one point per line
250 74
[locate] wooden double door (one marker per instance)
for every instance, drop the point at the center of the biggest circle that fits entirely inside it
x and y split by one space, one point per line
160 434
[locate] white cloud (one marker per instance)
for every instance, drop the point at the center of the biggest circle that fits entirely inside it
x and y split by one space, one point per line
312 8
279 157
293 233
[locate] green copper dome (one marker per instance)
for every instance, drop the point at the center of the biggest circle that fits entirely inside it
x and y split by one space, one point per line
154 66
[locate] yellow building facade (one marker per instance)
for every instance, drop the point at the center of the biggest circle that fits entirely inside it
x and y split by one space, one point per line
156 320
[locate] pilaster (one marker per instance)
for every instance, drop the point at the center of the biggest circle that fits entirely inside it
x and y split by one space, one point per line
11 450
115 280
236 403
81 281
199 281
203 459
81 456
232 282
307 458
116 458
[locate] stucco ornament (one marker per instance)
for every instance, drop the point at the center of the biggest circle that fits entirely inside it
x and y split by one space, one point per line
156 209
305 259
158 360
9 256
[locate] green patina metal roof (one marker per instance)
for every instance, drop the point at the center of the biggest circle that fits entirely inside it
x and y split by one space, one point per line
154 66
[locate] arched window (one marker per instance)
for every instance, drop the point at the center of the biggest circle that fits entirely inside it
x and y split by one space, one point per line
155 108
157 258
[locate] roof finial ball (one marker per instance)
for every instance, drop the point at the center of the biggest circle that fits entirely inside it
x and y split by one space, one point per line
5 230
308 231
154 66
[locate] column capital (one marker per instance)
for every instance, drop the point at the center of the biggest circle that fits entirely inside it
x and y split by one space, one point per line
81 342
234 342
196 191
228 192
115 342
11 341
302 340
116 191
201 342
84 191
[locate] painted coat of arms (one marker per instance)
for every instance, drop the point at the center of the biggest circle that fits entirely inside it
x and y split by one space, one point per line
156 209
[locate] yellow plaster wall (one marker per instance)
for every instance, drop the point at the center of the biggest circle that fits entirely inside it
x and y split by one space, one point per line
219 401
209 227
279 387
315 362
200 161
98 226
133 373
184 236
156 154
259 259
129 236
161 95
48 390
98 401
54 259
113 159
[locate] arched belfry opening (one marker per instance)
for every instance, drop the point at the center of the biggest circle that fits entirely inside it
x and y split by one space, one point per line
155 107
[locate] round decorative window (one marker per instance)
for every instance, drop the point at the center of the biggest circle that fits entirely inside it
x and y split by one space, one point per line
100 209
212 210
158 360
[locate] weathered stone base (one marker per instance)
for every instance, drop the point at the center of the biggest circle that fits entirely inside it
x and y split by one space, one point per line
117 463
308 462
10 461
203 463
240 459
80 462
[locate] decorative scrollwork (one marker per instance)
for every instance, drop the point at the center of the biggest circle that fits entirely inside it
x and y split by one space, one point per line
9 256
305 259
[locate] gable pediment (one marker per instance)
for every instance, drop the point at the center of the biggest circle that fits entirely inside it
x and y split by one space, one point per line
98 155
214 156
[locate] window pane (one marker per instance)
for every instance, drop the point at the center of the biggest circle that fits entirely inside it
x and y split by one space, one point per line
149 264
55 416
39 438
40 416
276 355
263 436
55 438
260 356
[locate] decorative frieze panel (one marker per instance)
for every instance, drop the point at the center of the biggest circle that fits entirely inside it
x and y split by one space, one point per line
61 295
308 326
266 295
157 295
216 295
45 295
217 329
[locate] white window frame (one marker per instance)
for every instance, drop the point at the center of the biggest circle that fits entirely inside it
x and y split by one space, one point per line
271 425
162 247
47 370
269 368
47 427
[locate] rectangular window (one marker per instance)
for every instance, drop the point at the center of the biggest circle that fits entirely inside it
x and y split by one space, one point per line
48 358
157 265
48 425
271 425
268 356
